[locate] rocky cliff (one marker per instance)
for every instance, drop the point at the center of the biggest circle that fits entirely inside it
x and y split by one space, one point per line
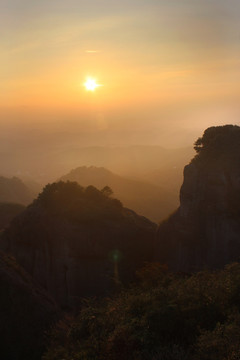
78 242
26 313
205 230
8 211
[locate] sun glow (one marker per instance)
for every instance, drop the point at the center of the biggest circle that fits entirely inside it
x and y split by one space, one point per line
91 84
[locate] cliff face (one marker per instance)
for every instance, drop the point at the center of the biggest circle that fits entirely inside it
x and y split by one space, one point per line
78 242
26 313
8 211
205 230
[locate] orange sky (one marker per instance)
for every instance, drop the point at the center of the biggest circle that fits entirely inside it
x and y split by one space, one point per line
161 63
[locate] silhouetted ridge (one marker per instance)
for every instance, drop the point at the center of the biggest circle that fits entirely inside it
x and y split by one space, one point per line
79 241
79 204
146 199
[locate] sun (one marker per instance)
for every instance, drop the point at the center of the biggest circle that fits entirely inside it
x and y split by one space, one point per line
91 84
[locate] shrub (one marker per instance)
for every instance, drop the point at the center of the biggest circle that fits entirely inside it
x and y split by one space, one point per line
163 317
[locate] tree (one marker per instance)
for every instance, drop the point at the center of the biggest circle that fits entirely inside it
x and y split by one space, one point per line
107 191
219 140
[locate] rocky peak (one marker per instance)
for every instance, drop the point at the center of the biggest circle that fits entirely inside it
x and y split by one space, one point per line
205 230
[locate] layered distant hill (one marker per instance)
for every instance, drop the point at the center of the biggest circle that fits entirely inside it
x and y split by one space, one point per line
46 163
13 190
132 160
146 199
169 178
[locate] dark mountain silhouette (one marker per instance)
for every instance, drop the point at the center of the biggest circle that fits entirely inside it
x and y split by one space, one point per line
146 199
26 313
205 230
14 190
79 241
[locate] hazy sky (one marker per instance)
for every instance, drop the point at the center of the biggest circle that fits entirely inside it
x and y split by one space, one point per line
169 69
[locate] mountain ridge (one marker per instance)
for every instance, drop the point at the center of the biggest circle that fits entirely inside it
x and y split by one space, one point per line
68 239
146 199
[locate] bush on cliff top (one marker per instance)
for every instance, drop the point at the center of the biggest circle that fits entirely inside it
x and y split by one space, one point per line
219 142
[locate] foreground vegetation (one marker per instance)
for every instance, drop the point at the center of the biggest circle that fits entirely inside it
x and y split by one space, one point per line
164 316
